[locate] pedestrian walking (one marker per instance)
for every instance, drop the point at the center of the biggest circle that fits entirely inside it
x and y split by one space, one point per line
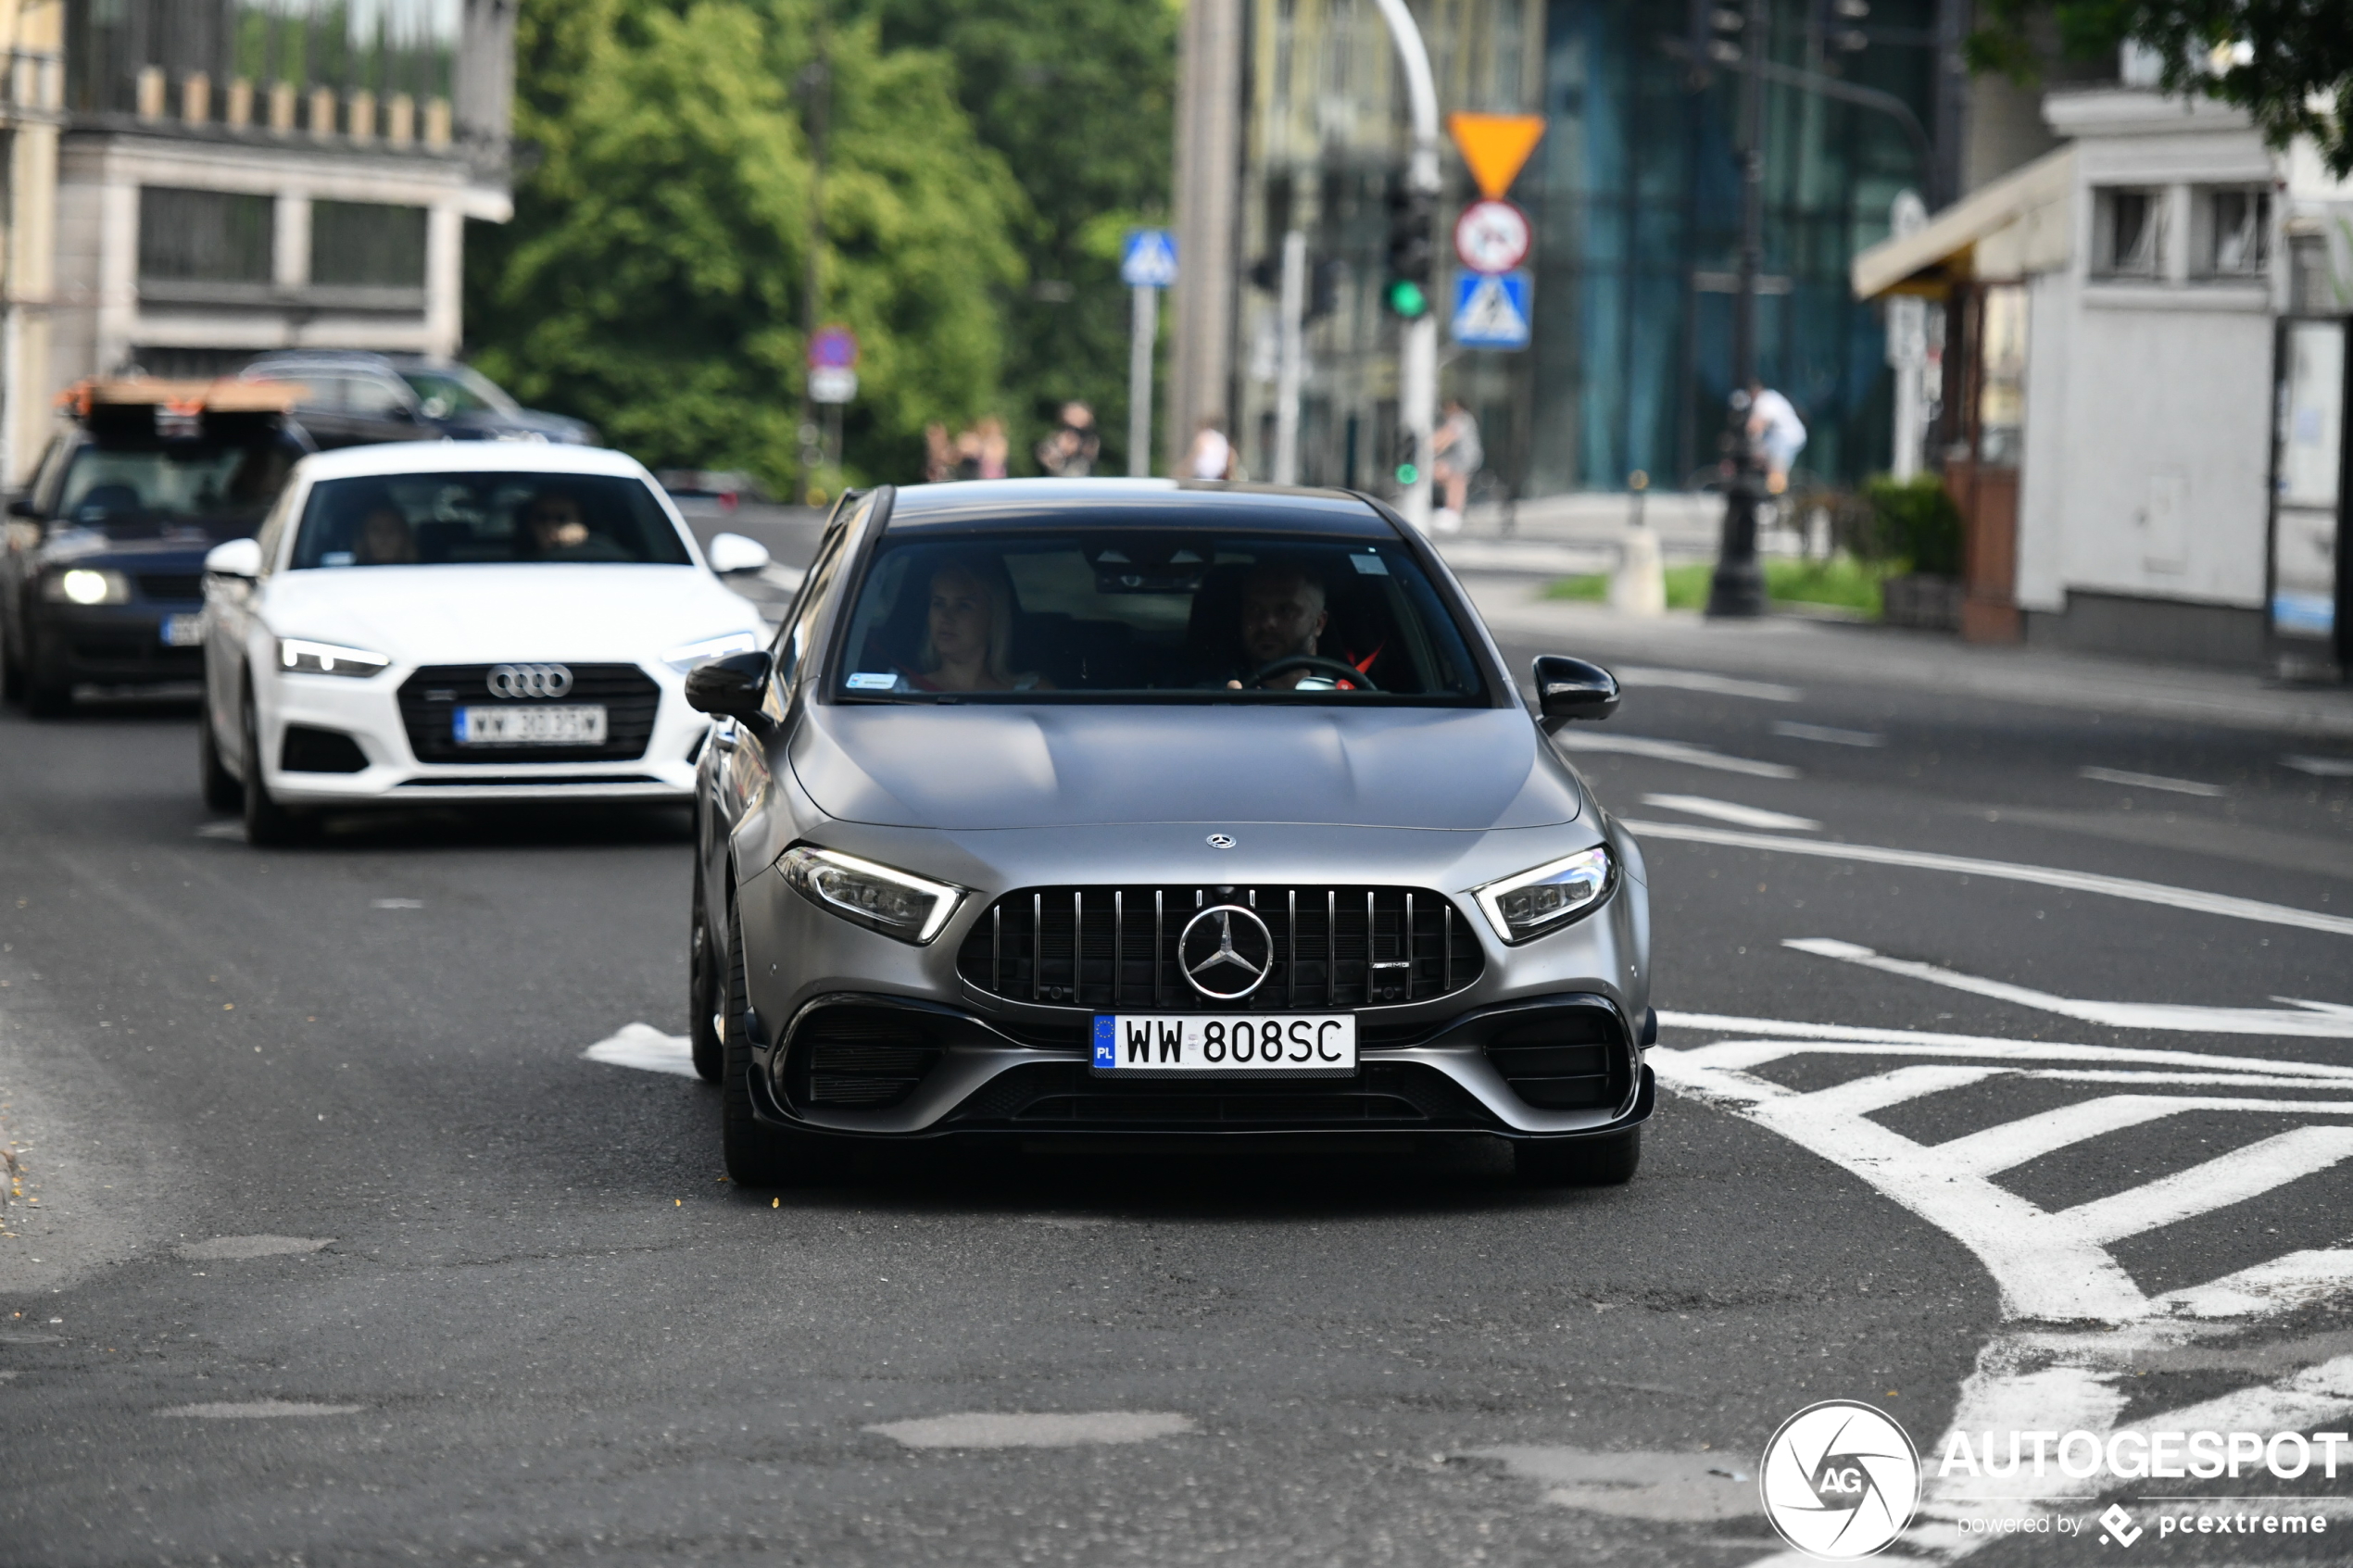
1211 456
1456 456
1072 450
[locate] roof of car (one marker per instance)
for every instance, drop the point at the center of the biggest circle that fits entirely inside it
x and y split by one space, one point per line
1135 503
470 457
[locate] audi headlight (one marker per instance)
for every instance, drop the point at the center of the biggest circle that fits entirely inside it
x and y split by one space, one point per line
86 585
686 658
1549 896
298 656
895 903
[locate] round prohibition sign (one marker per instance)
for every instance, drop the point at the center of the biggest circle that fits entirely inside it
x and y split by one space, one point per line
1492 236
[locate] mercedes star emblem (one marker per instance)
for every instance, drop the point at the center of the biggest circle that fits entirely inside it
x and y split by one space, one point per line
1239 962
1221 841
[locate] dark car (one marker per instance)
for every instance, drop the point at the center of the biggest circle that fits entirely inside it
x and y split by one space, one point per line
348 398
1066 810
102 576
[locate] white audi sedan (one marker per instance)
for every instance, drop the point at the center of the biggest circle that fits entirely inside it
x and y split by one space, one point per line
431 621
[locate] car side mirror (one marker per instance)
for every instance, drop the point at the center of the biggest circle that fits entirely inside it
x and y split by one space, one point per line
22 506
731 553
1572 688
235 558
733 687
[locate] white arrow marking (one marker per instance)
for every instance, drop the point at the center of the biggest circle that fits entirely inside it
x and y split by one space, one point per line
2045 876
1733 812
646 1047
1678 751
2322 1021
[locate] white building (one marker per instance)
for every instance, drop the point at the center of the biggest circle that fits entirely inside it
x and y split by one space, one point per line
2136 317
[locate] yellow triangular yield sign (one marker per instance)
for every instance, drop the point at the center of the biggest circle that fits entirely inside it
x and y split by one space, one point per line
1495 145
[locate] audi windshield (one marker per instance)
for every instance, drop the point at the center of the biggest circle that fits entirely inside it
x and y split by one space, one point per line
1164 614
476 519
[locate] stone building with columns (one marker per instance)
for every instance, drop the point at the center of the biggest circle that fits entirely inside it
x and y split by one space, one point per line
241 175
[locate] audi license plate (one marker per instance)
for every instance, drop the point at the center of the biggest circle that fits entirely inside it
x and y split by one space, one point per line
578 724
182 631
1288 1045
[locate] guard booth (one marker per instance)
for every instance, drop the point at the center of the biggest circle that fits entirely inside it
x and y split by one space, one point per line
2310 588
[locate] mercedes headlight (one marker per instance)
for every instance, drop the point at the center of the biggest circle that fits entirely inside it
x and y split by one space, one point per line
895 903
298 656
1547 898
686 658
86 585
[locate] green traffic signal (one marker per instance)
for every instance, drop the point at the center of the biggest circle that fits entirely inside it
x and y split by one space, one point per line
1407 474
1406 299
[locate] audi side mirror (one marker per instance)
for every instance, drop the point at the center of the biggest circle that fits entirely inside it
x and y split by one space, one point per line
235 558
1571 688
733 687
731 553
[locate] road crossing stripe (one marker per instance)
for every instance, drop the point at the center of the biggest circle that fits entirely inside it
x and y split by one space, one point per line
2189 898
2277 1286
2219 1182
2314 1020
1833 1039
2013 1144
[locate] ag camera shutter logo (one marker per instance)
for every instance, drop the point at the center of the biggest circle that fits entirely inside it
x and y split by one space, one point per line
1839 1480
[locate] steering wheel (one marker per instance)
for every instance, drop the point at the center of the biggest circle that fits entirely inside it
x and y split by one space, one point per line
1338 668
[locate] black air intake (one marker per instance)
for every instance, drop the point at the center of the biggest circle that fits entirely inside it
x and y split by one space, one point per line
857 1057
1566 1059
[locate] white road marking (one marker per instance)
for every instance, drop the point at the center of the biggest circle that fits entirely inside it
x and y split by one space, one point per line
235 1247
2317 1021
993 1429
2320 767
2054 1266
1733 812
259 1409
778 575
395 903
1691 1487
2044 876
1676 751
222 830
1702 680
2149 781
646 1048
1828 734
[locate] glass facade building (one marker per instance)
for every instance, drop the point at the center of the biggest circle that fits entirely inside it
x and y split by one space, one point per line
1634 194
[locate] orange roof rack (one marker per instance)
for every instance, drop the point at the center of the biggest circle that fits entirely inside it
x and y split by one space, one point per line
225 396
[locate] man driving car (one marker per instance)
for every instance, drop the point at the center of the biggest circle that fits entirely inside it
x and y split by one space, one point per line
1283 613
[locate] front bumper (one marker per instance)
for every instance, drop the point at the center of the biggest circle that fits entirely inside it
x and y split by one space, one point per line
367 712
111 644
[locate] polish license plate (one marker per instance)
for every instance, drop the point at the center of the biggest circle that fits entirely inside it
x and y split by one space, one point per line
576 724
1287 1045
183 631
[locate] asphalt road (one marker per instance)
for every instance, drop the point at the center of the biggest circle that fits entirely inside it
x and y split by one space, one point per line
343 1251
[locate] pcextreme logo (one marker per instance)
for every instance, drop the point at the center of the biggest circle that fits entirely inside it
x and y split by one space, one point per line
1839 1480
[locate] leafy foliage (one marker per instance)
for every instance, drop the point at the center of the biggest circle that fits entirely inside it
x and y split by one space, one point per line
2288 63
1914 522
652 278
1077 96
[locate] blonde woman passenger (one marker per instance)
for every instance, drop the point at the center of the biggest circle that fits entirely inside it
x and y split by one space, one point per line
968 629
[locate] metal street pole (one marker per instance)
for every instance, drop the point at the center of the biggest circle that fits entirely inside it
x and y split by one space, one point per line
1143 328
1417 351
1738 587
1291 362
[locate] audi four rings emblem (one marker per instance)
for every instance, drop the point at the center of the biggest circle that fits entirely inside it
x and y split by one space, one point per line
529 680
1239 962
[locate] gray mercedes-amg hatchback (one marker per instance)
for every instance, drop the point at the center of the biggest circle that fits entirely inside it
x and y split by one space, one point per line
1074 808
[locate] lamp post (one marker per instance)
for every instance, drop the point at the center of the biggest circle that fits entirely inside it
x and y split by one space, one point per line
1738 586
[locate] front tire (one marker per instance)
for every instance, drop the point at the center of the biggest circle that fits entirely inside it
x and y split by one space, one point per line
267 822
11 670
702 992
1579 1162
222 793
757 1155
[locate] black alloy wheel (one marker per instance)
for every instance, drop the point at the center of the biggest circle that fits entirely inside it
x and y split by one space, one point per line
755 1154
1579 1162
703 991
222 793
267 822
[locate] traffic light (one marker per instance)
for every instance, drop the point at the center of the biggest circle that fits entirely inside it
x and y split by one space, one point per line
1409 453
1412 252
1834 23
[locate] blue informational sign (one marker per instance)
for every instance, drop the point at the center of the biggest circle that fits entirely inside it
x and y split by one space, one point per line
1490 309
1148 260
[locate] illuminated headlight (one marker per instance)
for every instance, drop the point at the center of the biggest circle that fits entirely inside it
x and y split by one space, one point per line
1551 896
686 658
893 902
297 657
86 585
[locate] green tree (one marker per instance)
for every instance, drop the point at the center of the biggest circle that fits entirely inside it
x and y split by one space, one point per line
1078 96
652 277
2288 63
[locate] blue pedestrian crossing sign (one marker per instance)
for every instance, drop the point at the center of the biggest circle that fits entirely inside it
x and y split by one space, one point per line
1490 309
1148 260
